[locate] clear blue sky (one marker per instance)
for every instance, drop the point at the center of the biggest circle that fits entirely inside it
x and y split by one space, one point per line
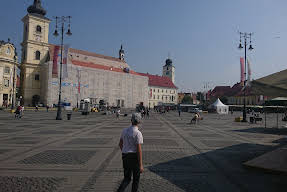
200 35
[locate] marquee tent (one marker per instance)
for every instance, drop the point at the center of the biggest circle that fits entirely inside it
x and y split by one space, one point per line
219 107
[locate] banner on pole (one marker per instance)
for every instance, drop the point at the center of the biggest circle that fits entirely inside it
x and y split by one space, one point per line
65 61
242 71
55 62
249 72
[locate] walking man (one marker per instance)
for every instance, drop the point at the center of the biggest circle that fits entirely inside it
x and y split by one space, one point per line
130 144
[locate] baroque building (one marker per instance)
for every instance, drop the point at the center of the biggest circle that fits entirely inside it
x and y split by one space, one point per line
8 70
162 90
85 74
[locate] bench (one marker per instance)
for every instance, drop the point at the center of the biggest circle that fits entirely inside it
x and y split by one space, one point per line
255 119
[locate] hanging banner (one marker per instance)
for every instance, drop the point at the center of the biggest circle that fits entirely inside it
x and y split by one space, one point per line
55 62
249 71
242 71
65 61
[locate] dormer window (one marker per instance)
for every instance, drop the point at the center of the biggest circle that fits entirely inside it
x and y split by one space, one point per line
38 29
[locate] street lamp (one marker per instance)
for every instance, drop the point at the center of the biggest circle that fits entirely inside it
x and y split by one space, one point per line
61 20
13 91
245 36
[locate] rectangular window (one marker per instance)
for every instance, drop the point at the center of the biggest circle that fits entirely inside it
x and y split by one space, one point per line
6 82
158 97
7 70
37 77
123 103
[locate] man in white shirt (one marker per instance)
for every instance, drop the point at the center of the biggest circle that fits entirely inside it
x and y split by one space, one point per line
130 144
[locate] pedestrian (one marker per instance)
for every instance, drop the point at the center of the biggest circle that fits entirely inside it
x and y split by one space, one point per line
22 111
36 108
179 111
130 145
118 111
147 113
47 107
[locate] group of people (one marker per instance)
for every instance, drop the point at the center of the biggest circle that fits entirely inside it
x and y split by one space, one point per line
145 112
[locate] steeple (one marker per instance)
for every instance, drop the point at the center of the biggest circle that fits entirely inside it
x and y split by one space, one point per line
122 54
36 8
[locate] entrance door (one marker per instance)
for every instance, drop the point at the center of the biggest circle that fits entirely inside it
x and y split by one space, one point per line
5 99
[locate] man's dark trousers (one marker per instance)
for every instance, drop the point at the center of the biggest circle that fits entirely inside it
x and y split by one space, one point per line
131 166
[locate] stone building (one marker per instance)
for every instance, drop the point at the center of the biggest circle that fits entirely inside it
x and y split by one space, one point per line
86 74
8 70
162 90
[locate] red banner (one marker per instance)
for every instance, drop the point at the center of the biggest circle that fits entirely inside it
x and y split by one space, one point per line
55 62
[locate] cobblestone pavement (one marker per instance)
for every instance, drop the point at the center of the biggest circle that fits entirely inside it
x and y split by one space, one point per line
38 153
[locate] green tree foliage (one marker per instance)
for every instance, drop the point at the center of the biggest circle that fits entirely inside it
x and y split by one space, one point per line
187 99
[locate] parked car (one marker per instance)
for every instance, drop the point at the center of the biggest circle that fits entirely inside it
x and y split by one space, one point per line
195 110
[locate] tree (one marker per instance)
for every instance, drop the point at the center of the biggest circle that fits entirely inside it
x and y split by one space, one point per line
200 96
187 99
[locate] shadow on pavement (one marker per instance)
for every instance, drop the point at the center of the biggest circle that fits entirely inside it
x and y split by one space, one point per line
220 170
274 131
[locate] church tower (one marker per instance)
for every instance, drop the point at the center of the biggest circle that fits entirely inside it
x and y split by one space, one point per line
168 70
35 49
122 54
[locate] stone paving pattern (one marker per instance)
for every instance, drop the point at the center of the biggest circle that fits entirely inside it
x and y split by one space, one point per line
38 153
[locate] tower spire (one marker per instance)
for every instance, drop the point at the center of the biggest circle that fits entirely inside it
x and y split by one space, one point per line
122 53
37 8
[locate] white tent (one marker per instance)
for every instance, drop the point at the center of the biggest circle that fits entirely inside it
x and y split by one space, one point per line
219 107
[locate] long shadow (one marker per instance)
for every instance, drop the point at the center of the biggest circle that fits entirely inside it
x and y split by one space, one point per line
274 131
220 170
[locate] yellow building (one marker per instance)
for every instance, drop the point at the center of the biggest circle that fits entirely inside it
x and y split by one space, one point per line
35 50
8 67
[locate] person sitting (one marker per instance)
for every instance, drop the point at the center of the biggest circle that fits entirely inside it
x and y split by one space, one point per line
195 118
18 112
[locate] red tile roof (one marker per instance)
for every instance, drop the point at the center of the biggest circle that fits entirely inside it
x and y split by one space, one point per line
103 67
84 53
220 91
159 81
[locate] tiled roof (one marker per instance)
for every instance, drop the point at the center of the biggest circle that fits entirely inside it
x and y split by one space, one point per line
219 91
159 81
103 67
84 53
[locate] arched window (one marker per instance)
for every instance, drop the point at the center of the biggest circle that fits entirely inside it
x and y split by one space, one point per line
39 29
37 55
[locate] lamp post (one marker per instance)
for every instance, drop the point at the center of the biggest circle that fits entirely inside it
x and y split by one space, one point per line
13 89
61 20
245 36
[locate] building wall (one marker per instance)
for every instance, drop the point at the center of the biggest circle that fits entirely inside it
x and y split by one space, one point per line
7 63
250 100
160 95
98 84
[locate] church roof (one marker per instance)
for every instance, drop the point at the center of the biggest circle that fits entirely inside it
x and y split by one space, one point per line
87 53
103 67
159 81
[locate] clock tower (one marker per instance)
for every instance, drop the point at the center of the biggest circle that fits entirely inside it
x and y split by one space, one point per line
168 70
35 49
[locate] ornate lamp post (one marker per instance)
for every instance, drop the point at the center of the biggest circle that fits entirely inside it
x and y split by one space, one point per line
61 20
13 89
245 36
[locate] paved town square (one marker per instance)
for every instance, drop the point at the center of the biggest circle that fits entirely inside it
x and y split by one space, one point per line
38 153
